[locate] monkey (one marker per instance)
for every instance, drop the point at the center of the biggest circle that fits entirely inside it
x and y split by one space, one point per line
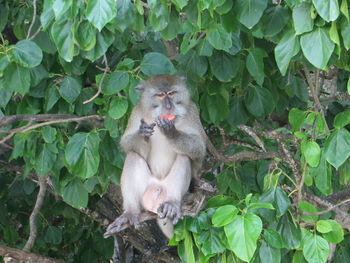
165 145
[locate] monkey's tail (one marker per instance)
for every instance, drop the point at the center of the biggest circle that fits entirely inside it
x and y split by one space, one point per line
167 227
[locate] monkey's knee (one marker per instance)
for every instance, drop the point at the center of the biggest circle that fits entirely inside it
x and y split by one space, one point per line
153 196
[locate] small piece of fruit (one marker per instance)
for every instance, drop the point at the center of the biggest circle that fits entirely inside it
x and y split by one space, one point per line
169 117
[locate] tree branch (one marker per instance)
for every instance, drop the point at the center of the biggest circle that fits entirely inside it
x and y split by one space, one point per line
33 20
32 219
22 256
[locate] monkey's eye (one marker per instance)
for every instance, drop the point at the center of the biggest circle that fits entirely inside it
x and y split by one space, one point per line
160 95
171 92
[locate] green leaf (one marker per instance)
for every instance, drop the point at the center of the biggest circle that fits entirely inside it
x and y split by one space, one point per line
219 38
289 232
343 8
298 257
245 228
333 33
180 3
4 13
348 86
5 95
323 226
255 64
323 175
285 50
307 207
269 254
259 206
45 161
212 241
62 35
315 248
118 81
250 11
104 40
118 108
27 54
224 215
53 235
302 18
312 153
60 7
4 62
296 118
345 33
82 154
154 63
336 235
327 9
223 65
17 78
100 12
337 147
75 194
274 20
85 35
49 134
317 47
342 119
259 101
273 238
70 88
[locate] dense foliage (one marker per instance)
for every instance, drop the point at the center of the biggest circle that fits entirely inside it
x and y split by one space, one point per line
280 68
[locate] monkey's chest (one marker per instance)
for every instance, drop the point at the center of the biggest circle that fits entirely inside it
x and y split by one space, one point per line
161 156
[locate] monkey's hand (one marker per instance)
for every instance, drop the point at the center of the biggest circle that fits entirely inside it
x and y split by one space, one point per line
170 210
127 218
167 127
146 130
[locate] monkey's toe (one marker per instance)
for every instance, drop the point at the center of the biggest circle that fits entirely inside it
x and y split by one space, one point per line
170 210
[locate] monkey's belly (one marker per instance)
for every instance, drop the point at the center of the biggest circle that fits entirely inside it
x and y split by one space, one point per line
153 196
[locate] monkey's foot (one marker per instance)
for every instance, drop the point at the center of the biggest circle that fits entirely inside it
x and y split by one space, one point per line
127 218
170 210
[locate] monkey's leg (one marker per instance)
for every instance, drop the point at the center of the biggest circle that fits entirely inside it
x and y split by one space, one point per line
176 184
134 180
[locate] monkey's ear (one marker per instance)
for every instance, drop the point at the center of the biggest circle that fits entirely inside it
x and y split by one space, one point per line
140 88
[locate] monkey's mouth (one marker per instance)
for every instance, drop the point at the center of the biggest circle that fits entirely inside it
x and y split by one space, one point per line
170 117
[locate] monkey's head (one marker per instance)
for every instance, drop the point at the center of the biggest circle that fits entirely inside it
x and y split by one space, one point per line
164 95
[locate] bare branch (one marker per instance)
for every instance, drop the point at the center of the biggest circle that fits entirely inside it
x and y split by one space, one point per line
19 255
106 69
329 209
32 219
252 134
33 20
36 33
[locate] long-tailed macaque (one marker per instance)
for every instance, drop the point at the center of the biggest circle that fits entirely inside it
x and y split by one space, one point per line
164 144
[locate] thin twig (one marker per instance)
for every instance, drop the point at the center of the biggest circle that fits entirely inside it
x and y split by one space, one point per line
329 209
252 134
32 219
33 20
106 69
36 33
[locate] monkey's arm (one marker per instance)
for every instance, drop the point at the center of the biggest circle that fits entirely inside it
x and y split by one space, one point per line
136 135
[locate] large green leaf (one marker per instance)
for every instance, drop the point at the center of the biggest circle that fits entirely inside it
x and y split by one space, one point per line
345 32
104 40
75 194
315 248
154 63
312 153
323 175
85 35
317 47
62 35
278 198
259 101
118 108
70 88
328 9
5 94
336 233
223 65
302 18
212 241
250 11
219 38
100 12
342 119
273 238
60 7
82 154
289 232
246 229
274 20
45 161
224 215
286 48
118 81
255 64
17 78
27 54
269 254
337 147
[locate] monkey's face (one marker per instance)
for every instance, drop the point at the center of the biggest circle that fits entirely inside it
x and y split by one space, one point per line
170 101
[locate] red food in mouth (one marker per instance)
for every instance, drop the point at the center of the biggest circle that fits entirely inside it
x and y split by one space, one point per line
169 117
